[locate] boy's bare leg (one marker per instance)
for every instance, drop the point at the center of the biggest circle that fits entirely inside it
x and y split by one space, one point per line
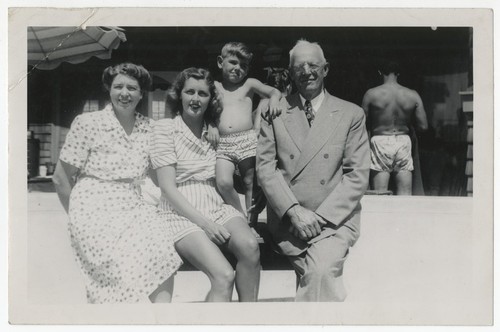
224 170
259 202
247 171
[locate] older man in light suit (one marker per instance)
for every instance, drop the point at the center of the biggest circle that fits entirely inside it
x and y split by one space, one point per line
313 164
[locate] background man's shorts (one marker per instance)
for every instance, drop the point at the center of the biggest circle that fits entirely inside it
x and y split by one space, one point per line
238 146
391 153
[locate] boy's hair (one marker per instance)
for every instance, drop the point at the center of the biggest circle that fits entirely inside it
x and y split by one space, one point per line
237 49
390 66
174 92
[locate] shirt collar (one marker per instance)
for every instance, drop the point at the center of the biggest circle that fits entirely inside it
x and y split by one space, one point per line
141 121
316 101
183 127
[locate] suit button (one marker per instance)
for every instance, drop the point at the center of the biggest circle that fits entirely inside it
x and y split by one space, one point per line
292 156
326 155
322 181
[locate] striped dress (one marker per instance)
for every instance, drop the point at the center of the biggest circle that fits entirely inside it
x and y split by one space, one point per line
194 160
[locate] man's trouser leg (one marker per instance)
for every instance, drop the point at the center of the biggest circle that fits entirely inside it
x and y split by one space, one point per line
320 268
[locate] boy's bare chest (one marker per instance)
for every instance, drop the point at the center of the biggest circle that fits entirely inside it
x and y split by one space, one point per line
236 96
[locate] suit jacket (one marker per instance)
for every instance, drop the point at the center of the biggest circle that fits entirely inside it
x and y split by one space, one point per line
324 168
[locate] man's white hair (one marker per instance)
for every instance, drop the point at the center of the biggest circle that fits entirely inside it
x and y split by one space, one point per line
301 43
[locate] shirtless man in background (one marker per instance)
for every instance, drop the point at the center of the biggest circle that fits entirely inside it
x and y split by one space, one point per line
391 110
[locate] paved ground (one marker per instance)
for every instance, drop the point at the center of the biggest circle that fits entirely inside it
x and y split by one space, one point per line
413 253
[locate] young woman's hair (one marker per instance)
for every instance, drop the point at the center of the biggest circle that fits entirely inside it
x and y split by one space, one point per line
237 49
174 92
128 69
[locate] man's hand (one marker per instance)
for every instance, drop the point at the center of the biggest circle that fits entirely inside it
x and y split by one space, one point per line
305 223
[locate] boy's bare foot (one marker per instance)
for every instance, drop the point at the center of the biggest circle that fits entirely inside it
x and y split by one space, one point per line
257 235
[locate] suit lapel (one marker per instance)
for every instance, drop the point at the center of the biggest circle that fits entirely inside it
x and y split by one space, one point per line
324 125
295 121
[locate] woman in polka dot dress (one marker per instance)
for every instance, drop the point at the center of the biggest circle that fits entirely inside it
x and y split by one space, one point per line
124 249
203 224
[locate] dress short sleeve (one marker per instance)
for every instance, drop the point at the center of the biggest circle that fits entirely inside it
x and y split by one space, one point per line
163 151
77 144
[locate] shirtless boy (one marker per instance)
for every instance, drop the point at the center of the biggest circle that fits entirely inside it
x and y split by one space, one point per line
237 140
390 109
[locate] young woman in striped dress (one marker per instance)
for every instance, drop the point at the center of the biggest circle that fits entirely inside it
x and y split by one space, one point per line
203 224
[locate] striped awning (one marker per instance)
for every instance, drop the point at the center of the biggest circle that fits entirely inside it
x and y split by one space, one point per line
48 47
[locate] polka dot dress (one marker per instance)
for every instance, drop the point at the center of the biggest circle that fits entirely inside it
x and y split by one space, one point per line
123 247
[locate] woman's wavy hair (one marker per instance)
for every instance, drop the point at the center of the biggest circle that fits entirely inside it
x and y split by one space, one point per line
174 93
129 69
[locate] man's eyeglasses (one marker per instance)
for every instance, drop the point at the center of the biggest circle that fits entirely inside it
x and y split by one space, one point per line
302 68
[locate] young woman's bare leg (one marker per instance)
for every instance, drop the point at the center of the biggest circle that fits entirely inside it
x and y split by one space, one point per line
245 248
197 248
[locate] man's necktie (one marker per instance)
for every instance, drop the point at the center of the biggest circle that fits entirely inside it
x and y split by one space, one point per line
309 112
